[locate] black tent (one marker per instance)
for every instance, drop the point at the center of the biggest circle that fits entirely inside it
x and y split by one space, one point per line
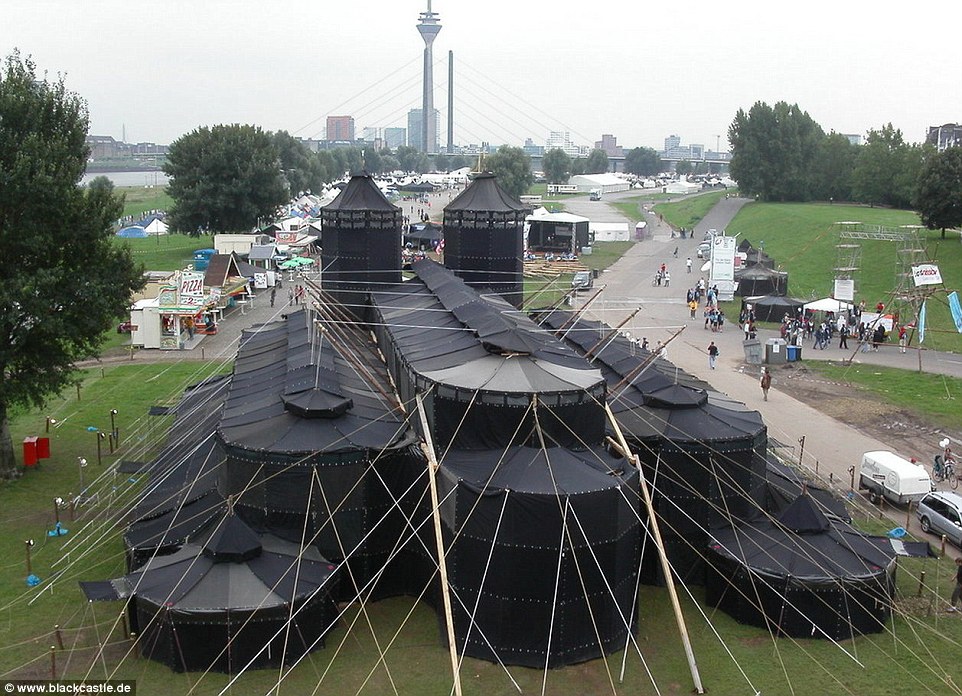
702 452
544 552
423 235
802 575
361 248
773 307
483 238
758 280
229 600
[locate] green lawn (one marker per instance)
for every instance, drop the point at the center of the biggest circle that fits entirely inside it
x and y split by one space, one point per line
168 252
801 239
690 210
140 199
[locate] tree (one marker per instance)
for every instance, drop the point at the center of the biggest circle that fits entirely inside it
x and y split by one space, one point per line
834 164
224 178
513 168
556 165
299 166
597 162
939 194
642 161
684 168
65 280
407 156
372 161
773 151
877 179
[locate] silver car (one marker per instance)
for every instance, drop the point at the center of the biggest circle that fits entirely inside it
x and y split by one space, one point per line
940 513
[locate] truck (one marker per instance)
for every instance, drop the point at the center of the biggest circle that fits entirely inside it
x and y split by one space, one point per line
595 195
885 474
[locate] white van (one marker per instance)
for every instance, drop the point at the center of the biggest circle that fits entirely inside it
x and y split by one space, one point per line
887 474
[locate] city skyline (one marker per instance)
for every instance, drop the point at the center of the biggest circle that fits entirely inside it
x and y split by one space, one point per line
640 73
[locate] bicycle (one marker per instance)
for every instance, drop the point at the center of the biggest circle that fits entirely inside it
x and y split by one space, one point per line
944 470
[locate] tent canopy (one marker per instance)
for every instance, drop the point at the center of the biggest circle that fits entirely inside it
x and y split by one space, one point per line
828 304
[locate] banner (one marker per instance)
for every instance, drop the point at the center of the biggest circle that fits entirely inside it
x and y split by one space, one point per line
922 323
926 274
844 290
956 310
285 237
723 259
191 289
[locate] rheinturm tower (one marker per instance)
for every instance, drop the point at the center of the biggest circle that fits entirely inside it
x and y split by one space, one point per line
428 26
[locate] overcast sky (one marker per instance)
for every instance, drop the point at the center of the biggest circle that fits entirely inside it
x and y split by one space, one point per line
639 70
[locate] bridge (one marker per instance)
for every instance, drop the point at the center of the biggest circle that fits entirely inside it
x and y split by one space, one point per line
617 164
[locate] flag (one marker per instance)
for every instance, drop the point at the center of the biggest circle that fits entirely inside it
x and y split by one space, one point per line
922 323
956 310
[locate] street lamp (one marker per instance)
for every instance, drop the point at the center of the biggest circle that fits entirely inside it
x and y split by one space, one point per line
32 580
50 421
115 434
82 465
58 529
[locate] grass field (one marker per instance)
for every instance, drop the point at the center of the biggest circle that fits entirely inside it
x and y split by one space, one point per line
733 659
139 199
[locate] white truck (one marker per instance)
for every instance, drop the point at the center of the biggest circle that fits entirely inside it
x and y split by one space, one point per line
886 474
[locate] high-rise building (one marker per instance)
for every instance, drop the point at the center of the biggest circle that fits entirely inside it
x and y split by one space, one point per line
395 137
428 28
416 131
561 140
340 128
945 136
609 144
671 142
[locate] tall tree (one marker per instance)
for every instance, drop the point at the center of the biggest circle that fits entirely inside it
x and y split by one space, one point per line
642 161
684 168
832 171
876 169
513 169
773 151
556 165
597 162
939 194
300 168
65 280
224 178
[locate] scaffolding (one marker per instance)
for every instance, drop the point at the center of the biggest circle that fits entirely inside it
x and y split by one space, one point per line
906 297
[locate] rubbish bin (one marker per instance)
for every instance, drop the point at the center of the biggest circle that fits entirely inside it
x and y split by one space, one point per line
793 353
775 351
753 351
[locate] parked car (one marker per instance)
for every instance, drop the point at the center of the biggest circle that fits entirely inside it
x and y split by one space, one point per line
704 250
941 513
582 280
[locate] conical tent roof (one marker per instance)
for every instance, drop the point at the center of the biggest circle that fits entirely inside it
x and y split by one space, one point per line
361 193
803 517
485 194
232 541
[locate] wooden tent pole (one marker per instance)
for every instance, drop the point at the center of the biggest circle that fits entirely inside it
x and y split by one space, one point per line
427 446
662 556
609 336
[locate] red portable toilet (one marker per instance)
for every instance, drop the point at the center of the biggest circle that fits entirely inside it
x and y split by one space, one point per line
43 448
29 451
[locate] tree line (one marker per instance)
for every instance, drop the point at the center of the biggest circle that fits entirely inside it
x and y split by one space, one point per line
779 153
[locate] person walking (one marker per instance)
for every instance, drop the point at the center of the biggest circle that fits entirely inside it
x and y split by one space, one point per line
273 295
843 336
957 592
712 355
902 339
688 264
667 279
765 382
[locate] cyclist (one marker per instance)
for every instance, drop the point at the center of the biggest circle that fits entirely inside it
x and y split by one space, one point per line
945 462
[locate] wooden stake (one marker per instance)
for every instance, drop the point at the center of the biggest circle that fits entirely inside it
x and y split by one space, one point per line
59 636
427 446
921 582
53 663
662 556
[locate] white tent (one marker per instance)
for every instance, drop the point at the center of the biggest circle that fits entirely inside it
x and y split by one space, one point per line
605 183
828 304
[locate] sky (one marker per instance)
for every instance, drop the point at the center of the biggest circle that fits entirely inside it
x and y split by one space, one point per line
642 71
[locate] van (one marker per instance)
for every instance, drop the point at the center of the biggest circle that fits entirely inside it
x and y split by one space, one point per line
886 474
941 513
595 195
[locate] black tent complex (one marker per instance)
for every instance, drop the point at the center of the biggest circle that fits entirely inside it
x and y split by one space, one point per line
802 575
483 237
541 522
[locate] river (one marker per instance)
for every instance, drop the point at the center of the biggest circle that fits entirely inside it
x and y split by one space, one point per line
127 178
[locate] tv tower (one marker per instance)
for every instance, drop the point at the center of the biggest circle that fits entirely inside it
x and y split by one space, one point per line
428 27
